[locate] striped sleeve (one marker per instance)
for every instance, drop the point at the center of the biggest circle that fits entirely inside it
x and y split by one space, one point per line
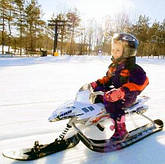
137 80
108 76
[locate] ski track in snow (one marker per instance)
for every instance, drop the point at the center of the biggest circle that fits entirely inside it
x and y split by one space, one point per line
31 88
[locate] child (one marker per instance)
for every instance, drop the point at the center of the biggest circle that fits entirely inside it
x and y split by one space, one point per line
127 78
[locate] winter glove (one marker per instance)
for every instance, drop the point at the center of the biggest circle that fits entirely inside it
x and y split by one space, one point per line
94 85
114 95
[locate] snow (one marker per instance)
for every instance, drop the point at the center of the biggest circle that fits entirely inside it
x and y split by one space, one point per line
32 88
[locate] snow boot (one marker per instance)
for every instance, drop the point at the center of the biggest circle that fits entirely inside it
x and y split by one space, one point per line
121 132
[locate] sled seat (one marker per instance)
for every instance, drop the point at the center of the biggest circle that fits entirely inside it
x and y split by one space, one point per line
138 107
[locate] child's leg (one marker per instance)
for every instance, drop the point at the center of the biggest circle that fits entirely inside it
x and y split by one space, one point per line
114 109
118 116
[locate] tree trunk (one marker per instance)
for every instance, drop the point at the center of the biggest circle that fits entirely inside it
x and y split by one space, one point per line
3 30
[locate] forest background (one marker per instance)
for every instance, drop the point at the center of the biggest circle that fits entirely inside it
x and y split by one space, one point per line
24 32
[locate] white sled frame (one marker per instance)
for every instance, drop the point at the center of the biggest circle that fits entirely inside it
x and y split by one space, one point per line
84 111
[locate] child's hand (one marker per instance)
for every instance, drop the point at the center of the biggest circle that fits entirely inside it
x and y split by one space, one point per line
114 95
94 85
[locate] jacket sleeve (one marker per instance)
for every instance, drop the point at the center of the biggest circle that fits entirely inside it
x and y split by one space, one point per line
136 84
137 80
106 79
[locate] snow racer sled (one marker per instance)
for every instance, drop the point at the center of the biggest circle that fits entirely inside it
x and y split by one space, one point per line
83 113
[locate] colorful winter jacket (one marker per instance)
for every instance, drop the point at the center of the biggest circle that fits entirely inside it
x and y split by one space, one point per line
128 75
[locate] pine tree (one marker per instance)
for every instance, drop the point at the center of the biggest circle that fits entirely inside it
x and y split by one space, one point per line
33 25
5 17
74 20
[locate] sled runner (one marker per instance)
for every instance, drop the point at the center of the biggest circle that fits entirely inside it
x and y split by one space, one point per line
134 136
38 151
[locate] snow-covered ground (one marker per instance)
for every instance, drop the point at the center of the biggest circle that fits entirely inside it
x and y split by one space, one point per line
31 88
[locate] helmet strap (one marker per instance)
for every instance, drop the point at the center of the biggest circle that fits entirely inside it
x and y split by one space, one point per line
118 60
129 62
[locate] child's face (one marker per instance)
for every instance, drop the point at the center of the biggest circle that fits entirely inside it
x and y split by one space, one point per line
117 49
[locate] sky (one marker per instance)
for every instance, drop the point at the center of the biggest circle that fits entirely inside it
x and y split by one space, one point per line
99 9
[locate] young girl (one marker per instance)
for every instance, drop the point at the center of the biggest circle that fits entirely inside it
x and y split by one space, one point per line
123 82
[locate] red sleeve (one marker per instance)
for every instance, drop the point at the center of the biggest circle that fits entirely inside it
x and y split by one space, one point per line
109 74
